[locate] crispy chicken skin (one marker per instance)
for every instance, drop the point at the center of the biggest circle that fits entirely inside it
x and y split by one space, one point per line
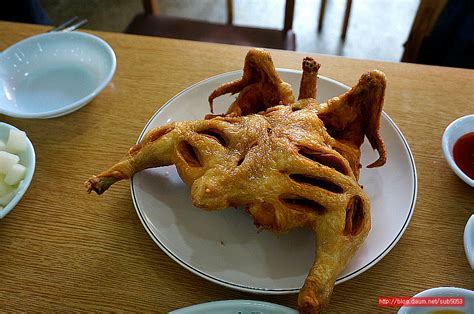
348 118
309 78
356 114
292 164
259 88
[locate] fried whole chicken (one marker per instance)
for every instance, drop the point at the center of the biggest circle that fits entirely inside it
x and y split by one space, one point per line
291 164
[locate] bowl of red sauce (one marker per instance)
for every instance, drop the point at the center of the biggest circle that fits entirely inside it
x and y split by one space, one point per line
458 147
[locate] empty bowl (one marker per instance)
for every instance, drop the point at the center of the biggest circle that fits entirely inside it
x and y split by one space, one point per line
53 74
454 132
234 307
27 159
448 299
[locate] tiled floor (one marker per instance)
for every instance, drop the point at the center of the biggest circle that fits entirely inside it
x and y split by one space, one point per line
377 28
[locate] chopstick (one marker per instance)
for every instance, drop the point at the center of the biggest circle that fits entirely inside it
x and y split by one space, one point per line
69 25
76 26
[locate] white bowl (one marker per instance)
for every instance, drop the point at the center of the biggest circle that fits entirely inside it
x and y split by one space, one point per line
452 133
440 292
27 159
234 307
53 74
469 241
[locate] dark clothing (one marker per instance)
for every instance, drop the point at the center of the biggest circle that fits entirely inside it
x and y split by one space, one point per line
25 11
451 42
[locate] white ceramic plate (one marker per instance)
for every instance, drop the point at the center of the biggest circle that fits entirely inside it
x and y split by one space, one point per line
53 74
235 307
224 246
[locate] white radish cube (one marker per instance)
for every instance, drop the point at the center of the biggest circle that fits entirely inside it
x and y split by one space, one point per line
2 145
5 199
17 141
4 188
15 174
7 160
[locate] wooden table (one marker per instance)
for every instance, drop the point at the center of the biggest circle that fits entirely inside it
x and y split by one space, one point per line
62 249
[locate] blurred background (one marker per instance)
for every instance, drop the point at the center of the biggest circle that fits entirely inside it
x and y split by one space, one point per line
436 32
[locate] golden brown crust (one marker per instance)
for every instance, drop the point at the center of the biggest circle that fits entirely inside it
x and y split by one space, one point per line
292 165
356 114
309 79
280 165
259 88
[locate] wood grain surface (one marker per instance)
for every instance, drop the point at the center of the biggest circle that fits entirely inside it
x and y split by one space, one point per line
62 249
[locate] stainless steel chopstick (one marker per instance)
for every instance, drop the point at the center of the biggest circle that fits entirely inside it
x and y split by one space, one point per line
64 25
75 26
69 25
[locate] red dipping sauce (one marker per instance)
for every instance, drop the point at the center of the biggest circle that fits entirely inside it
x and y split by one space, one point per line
463 154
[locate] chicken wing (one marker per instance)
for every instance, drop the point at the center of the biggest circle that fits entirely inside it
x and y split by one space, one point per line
259 88
355 114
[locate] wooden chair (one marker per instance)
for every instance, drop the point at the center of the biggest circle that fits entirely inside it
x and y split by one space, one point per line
347 14
152 23
425 19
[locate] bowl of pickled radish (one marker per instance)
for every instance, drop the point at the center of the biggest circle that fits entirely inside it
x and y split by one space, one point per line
17 166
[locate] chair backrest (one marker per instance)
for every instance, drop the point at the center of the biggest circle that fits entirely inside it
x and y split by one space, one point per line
151 7
426 17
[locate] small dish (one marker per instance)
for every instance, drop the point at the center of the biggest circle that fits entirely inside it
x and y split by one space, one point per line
27 159
235 306
453 132
442 292
469 241
53 74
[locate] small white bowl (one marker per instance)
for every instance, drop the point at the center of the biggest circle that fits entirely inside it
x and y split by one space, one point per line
468 296
27 159
452 133
469 241
235 306
53 74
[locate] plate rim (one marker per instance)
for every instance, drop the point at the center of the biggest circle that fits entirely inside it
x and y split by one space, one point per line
260 290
